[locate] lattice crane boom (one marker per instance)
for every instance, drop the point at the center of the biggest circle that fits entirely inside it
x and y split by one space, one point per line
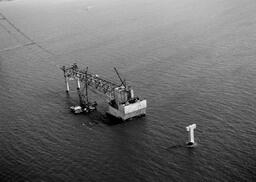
93 80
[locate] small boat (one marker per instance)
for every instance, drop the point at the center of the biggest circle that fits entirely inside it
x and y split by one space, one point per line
76 109
89 107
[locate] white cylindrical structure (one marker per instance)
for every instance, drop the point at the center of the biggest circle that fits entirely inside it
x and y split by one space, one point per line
192 136
67 85
189 136
78 83
132 93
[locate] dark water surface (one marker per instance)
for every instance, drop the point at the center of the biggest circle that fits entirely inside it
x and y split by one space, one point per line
194 61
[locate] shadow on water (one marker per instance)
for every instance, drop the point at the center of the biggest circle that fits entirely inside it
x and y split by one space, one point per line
180 146
90 124
175 147
89 120
111 120
96 118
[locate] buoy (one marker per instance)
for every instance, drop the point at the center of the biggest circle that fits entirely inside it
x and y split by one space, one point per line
191 141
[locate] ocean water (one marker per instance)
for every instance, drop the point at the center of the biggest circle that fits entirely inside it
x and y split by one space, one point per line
193 60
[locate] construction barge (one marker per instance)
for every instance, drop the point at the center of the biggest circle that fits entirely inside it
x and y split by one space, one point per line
122 103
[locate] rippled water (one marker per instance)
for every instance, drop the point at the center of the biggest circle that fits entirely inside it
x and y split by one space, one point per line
193 60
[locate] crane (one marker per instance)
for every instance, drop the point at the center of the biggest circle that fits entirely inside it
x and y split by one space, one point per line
121 100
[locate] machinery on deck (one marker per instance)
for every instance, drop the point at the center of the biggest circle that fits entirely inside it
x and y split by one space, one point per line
81 77
122 103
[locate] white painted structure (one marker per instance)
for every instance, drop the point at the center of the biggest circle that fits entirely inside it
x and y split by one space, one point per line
130 110
78 83
67 84
190 129
125 105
